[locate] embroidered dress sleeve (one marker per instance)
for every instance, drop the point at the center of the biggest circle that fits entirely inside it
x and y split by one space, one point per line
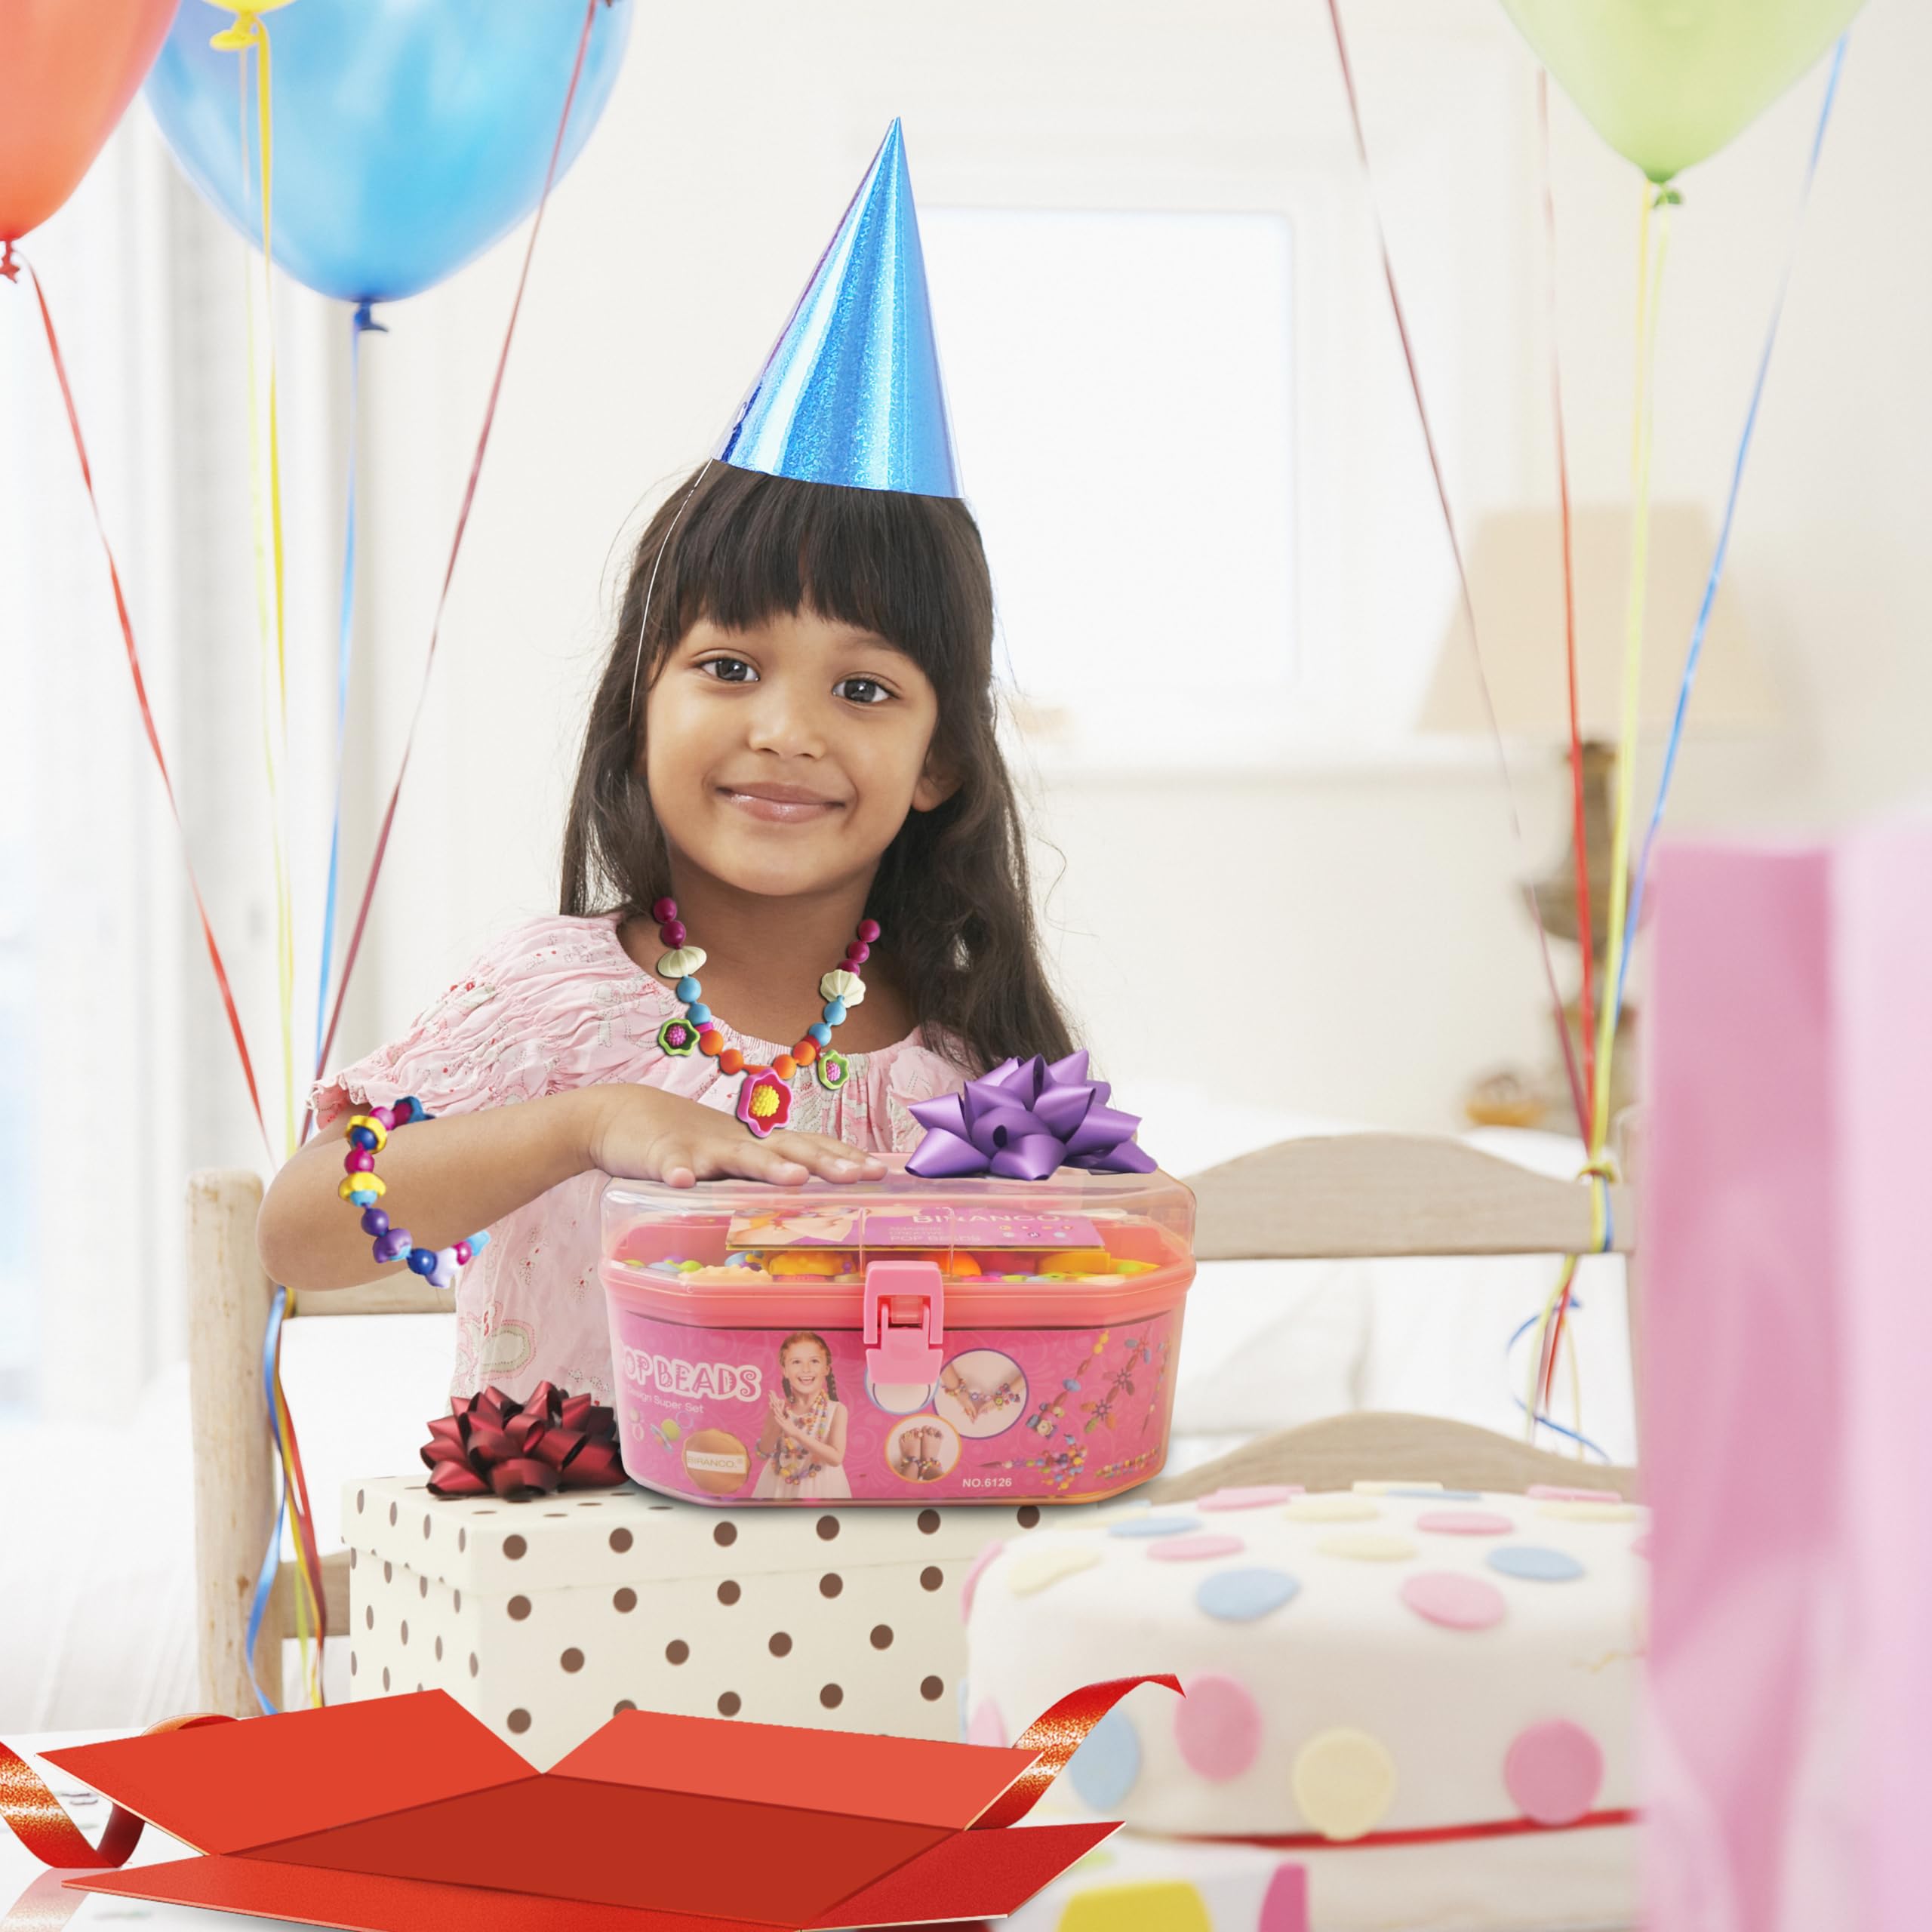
909 1072
554 1004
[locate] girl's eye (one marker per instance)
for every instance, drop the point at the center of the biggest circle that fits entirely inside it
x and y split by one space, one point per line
862 690
729 670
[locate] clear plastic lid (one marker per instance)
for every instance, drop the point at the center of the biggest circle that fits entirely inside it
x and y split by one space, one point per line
1074 1226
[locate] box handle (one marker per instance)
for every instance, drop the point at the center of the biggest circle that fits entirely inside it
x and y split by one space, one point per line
905 1322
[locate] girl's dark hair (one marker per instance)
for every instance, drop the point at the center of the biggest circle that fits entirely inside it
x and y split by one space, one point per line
738 548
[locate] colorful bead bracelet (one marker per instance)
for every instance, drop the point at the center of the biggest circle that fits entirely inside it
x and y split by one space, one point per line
368 1134
765 1097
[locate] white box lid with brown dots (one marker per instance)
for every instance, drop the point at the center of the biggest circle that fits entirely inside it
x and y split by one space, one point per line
545 1617
581 1539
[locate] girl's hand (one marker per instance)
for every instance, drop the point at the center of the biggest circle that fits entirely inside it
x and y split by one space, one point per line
640 1133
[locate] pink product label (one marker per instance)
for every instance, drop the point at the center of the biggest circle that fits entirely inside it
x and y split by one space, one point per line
937 1227
770 1415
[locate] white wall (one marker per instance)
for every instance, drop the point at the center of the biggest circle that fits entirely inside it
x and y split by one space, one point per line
1366 948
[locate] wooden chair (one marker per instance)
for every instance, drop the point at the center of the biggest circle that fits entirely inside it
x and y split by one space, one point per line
1353 1196
229 1300
1360 1196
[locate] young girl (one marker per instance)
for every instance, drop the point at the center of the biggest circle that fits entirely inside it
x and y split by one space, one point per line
804 1434
801 736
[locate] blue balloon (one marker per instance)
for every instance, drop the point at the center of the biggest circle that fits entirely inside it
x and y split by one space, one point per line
409 135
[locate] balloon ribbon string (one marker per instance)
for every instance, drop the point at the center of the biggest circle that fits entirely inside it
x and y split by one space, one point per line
1652 253
1649 287
1578 1099
1694 655
1579 838
148 725
360 323
356 932
271 1563
246 32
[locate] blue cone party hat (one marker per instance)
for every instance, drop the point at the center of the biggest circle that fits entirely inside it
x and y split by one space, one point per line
850 392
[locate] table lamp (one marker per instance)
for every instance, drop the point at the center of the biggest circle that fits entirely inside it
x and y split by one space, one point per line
1516 581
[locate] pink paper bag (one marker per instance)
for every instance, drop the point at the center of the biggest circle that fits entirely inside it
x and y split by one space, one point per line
1787 1432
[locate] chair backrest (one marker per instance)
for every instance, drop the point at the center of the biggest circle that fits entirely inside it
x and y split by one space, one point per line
1374 1196
229 1297
1367 1195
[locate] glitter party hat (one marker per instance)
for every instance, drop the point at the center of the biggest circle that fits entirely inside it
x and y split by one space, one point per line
850 392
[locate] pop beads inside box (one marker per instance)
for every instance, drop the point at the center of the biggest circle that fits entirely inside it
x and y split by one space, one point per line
975 1339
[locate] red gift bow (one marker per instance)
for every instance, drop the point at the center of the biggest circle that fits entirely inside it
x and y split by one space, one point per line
494 1444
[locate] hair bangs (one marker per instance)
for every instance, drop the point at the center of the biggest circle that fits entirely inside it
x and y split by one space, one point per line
753 547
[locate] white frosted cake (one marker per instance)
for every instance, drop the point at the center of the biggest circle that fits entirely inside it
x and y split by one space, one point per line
1396 1680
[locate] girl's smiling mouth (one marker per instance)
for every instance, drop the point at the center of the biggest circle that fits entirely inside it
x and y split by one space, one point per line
779 804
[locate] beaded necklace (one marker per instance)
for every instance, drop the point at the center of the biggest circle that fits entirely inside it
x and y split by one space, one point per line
764 1095
795 1462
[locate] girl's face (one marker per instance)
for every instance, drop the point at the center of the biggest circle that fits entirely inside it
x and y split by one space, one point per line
782 760
804 1368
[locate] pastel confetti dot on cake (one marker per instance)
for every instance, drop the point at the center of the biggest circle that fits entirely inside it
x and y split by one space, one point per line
1438 1494
1464 1523
1333 1509
1545 1492
1255 1496
1285 1904
1217 1726
1150 1905
1036 1570
1579 1510
1456 1602
1103 1770
1553 1772
1195 1549
1534 1563
1344 1782
986 1726
1153 1526
969 1583
1241 1596
1411 1486
1367 1546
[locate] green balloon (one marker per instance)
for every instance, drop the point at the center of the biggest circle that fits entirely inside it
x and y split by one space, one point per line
1667 82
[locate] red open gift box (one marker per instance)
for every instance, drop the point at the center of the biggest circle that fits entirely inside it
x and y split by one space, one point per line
408 1814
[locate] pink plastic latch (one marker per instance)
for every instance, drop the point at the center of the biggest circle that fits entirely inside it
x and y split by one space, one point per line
905 1322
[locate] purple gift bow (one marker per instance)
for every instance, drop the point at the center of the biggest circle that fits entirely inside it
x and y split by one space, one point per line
1025 1120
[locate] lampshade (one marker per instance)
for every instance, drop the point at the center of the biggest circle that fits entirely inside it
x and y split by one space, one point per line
1516 580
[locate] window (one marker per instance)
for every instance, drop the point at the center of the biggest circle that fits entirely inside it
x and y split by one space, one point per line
1120 384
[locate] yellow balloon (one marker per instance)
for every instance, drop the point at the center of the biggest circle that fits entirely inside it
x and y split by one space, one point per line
1668 82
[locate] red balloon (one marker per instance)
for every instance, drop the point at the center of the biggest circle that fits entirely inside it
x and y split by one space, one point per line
68 69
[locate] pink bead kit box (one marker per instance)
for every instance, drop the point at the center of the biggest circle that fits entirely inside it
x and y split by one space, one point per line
904 1341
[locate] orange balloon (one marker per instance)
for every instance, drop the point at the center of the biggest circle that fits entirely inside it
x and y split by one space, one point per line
68 69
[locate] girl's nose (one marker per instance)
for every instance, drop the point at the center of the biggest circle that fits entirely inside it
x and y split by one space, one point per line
784 721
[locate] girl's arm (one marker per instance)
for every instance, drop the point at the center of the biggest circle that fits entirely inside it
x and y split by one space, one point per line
832 1451
447 1178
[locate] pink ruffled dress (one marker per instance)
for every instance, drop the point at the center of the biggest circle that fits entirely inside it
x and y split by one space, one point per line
556 1004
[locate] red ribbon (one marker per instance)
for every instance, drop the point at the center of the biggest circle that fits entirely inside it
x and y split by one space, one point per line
494 1444
1056 1734
36 1817
1570 1068
141 695
1495 1828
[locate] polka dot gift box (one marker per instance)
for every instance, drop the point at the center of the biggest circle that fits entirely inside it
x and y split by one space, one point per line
544 1617
1424 1698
